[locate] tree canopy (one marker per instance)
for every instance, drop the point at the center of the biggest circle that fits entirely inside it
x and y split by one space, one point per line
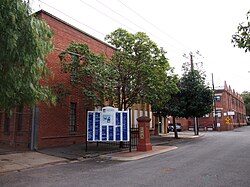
138 71
143 73
196 98
241 38
25 41
90 72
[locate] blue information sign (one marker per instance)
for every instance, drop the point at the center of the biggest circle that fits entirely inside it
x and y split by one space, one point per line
107 125
125 126
90 126
97 126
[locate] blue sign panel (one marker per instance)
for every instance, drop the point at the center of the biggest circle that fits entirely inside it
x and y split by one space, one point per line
97 126
90 126
118 133
111 133
125 126
104 133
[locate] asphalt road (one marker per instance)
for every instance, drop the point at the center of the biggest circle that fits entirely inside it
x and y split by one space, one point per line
216 159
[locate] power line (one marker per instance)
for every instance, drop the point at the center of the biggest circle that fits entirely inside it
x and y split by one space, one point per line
71 17
119 14
106 15
136 24
152 24
130 22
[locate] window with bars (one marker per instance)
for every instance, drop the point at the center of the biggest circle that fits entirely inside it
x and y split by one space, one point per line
72 125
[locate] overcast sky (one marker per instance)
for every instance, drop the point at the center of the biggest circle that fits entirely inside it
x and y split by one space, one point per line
179 26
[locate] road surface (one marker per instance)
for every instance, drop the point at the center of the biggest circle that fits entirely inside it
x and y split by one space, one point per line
216 159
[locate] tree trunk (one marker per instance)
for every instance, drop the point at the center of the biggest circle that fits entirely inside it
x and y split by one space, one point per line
175 130
196 127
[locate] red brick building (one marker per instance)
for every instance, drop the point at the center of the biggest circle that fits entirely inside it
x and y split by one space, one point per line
48 126
230 110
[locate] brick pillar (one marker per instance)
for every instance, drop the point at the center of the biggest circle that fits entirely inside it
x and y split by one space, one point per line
144 136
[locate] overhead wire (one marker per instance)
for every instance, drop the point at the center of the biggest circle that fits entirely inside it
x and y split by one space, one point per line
72 18
106 15
155 26
168 44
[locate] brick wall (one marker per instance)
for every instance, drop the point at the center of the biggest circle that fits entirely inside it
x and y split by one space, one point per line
229 101
54 121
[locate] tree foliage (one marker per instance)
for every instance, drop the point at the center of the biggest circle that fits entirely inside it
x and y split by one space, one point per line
138 71
196 98
143 73
246 98
241 38
25 41
89 71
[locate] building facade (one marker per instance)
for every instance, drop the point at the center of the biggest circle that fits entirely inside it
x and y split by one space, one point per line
229 110
64 124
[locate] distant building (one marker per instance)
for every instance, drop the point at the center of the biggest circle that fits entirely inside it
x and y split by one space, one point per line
230 110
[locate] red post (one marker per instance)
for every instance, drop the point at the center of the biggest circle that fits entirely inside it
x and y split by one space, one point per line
144 136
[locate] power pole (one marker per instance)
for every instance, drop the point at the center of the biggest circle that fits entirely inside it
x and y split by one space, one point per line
191 61
215 112
196 129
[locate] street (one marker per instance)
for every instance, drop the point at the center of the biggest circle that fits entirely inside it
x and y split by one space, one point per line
216 159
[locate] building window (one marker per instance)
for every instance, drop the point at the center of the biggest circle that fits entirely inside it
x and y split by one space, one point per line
218 113
7 123
19 118
217 98
72 127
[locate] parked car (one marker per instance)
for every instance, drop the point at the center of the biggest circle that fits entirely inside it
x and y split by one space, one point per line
171 127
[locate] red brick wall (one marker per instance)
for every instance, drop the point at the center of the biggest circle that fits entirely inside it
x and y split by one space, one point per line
226 104
54 120
18 138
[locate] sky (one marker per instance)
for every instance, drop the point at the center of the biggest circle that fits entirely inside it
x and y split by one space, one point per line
179 26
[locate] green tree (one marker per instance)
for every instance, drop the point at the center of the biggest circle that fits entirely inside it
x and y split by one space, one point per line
196 98
138 71
246 98
241 38
142 71
25 41
172 108
90 72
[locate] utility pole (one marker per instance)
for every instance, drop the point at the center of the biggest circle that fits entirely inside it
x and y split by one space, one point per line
215 112
196 129
191 61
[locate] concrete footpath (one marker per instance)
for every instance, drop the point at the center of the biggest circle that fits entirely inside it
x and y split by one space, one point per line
16 161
